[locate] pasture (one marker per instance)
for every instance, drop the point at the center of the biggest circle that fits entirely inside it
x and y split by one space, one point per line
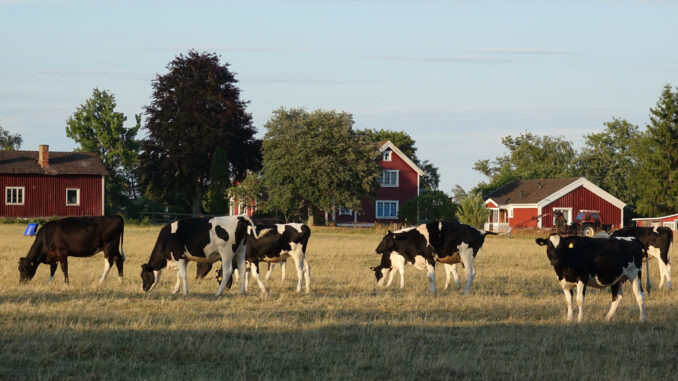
510 326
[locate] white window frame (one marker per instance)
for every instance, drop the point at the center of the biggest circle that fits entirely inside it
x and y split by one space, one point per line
19 191
77 203
510 212
393 172
567 214
344 211
389 202
387 155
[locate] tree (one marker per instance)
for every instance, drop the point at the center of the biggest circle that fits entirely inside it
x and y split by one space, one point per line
656 180
195 108
428 206
317 160
606 159
458 194
9 141
217 202
96 127
251 190
472 211
530 157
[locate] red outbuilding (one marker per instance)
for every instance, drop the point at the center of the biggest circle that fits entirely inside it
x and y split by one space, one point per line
670 221
47 184
532 203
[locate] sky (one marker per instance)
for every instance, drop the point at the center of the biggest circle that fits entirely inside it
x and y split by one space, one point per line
455 75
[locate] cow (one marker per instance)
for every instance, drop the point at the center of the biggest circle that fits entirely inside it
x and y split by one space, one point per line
596 262
446 242
657 241
204 240
75 237
275 244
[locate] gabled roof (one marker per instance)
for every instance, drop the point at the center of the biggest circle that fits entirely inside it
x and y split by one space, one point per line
541 192
654 218
384 145
60 163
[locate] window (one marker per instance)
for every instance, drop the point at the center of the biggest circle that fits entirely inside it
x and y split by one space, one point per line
386 155
567 215
14 195
387 209
72 197
345 212
389 178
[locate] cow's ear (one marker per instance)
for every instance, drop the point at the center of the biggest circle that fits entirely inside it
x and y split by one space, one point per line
540 241
373 268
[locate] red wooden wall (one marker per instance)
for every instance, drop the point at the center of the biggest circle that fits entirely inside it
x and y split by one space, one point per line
582 198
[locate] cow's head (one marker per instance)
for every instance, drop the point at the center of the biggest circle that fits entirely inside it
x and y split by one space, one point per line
149 277
27 269
387 244
552 244
202 269
381 273
220 277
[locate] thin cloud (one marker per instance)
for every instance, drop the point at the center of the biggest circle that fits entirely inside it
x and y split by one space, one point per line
445 59
531 52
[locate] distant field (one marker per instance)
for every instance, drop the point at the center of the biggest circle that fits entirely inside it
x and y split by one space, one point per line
511 325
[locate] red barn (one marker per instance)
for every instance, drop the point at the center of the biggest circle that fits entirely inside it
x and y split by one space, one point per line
670 221
46 184
531 203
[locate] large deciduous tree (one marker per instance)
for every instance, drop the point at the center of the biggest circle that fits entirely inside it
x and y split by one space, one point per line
428 206
472 211
195 108
217 194
317 160
656 180
9 141
96 127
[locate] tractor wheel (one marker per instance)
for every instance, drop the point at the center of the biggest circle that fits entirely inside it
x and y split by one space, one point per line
588 231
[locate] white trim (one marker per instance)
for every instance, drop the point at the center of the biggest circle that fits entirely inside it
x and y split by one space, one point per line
654 218
407 160
376 210
23 195
386 155
563 208
490 200
397 178
77 196
587 185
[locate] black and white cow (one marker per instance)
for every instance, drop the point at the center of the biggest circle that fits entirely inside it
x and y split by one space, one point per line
657 241
75 237
197 239
441 241
596 262
275 244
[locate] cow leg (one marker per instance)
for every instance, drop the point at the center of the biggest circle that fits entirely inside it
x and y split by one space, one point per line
298 261
667 271
52 270
177 284
567 289
391 276
467 260
227 271
282 270
451 269
431 269
63 261
269 271
119 259
640 297
107 268
254 269
181 272
617 296
581 291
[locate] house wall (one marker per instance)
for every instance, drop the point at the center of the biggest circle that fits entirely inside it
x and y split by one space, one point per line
582 198
524 218
45 196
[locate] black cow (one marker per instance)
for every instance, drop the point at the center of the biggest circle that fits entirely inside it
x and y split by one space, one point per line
441 241
75 237
657 241
596 262
203 240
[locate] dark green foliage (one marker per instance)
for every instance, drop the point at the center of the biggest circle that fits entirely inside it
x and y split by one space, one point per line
317 160
9 141
97 127
472 211
428 206
195 108
217 195
249 191
656 179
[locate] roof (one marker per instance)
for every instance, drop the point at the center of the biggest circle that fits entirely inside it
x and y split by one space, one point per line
654 218
541 192
60 163
384 145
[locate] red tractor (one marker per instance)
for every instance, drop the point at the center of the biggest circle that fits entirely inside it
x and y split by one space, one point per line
586 223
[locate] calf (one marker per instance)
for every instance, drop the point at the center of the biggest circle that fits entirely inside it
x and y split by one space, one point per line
204 240
596 262
657 241
75 237
442 241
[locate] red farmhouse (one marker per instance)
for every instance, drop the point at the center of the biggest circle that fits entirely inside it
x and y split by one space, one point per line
531 203
670 221
46 184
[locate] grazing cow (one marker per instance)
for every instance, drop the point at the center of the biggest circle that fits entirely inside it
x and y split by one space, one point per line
204 240
75 237
276 243
596 262
442 241
657 241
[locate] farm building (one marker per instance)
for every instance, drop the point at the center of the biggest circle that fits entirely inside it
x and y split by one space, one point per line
46 184
532 203
670 221
399 184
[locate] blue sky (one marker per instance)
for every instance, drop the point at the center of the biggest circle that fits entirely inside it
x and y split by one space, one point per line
456 75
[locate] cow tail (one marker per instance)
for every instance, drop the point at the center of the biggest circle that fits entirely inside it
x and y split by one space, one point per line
648 286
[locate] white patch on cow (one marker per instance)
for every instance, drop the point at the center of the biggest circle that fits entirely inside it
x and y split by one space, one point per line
467 259
403 230
175 226
107 269
440 226
654 251
296 226
555 240
424 231
420 262
625 238
655 230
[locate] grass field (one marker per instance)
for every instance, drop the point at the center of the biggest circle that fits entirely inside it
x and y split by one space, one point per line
511 325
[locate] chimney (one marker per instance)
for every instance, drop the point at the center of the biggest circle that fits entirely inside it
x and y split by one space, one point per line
43 156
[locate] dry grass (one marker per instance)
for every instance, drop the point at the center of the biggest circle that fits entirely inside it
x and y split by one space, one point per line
511 326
